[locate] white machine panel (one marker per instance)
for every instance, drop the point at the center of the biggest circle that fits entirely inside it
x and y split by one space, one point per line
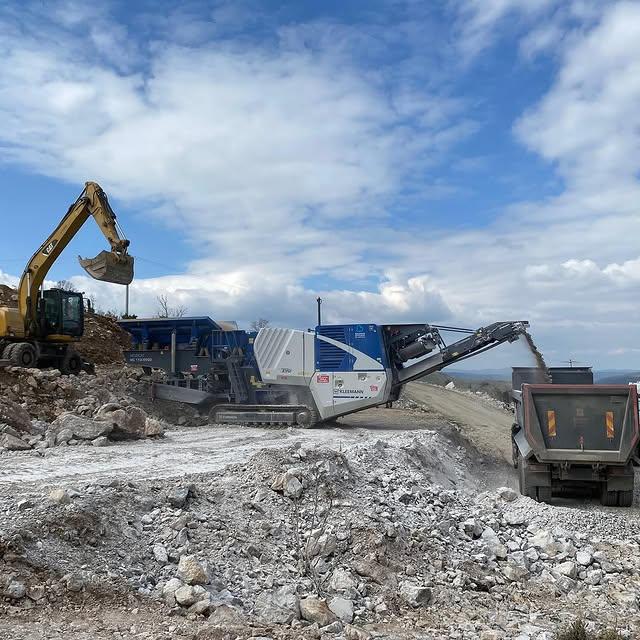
340 392
285 356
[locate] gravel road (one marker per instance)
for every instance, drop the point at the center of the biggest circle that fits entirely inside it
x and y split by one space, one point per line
196 449
487 427
205 449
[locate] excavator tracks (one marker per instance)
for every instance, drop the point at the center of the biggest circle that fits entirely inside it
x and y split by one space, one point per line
265 415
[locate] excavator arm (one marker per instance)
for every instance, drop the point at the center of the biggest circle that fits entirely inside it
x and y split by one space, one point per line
114 266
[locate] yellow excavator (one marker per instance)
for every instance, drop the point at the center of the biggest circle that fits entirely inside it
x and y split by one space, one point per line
42 330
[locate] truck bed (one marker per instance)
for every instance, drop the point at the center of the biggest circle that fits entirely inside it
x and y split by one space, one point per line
580 423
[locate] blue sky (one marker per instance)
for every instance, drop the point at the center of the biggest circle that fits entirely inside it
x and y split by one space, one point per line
457 161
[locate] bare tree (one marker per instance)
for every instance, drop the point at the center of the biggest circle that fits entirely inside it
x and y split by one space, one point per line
65 285
165 310
260 323
163 306
310 524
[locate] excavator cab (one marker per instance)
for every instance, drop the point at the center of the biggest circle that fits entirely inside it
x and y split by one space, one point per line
61 313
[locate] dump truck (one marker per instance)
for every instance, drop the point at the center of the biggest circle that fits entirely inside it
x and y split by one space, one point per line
571 435
294 377
42 329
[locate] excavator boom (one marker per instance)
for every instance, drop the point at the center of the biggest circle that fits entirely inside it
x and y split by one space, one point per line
114 266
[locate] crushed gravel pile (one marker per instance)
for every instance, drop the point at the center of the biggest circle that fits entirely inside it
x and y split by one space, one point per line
382 539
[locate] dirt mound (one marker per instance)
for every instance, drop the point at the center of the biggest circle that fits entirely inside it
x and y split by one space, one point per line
8 296
104 340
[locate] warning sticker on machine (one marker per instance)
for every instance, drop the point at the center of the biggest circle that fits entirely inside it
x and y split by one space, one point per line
322 378
374 388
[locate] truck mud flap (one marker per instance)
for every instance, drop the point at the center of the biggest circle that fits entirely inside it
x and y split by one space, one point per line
524 448
538 475
620 478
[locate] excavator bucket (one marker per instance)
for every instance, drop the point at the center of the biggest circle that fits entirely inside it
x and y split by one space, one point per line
109 267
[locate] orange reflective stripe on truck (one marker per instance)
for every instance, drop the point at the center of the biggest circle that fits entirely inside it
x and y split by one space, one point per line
610 428
551 423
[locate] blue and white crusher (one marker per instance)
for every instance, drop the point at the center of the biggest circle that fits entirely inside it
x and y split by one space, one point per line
288 376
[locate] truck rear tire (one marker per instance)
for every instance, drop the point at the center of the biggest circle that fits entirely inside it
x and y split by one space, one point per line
544 494
71 364
625 498
24 354
535 492
608 498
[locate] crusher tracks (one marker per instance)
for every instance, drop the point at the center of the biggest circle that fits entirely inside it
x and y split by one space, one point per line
272 415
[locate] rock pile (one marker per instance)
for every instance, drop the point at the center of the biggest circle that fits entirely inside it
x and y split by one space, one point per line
324 544
8 296
42 408
104 341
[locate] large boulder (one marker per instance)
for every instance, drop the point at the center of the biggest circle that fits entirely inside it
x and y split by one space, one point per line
127 424
414 594
492 545
342 580
343 608
544 542
375 571
191 571
313 609
82 428
277 607
186 595
11 443
568 569
153 427
12 414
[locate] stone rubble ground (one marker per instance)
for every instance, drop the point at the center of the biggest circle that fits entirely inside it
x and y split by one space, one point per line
382 539
40 409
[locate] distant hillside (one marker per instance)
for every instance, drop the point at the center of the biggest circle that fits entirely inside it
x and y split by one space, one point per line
604 376
481 374
616 377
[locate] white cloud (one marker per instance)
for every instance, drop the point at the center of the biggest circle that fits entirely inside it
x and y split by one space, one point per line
588 122
228 142
480 21
544 38
9 280
397 299
260 153
282 162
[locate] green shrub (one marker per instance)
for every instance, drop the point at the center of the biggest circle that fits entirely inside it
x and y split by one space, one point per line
609 634
577 631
